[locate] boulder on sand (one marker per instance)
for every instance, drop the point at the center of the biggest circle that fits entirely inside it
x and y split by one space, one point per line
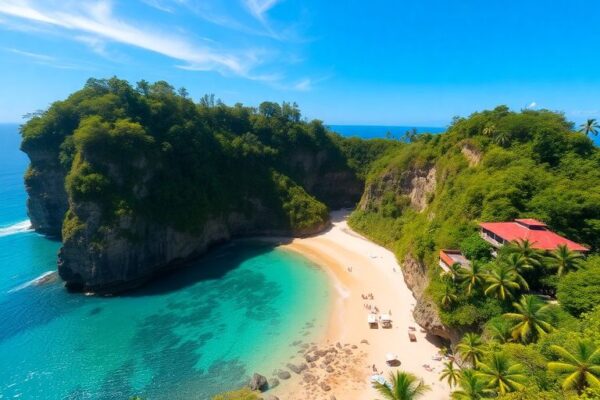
258 382
281 374
297 368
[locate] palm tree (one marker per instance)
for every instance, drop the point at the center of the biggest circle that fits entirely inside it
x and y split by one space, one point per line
489 130
502 282
531 255
518 263
499 330
564 260
470 348
581 368
471 387
501 374
473 277
448 297
531 319
404 386
450 374
502 138
590 126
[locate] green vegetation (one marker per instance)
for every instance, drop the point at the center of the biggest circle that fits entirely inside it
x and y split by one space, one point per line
518 343
402 386
151 152
242 394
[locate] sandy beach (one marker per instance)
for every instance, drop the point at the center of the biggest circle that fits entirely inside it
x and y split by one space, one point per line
358 267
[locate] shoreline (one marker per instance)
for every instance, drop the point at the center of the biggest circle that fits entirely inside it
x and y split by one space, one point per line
355 267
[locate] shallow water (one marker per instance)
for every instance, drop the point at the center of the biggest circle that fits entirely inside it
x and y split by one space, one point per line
197 332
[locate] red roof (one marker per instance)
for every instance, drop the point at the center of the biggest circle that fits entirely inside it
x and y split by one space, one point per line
451 257
542 239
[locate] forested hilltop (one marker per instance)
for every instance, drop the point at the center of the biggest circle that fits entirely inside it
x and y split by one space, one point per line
524 324
139 179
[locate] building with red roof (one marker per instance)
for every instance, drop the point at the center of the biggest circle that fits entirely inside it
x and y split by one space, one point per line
450 257
500 233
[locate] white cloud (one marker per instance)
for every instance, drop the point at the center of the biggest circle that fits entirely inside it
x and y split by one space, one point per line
304 85
43 59
98 20
258 8
532 105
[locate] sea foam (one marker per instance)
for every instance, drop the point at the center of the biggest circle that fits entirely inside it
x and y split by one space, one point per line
19 227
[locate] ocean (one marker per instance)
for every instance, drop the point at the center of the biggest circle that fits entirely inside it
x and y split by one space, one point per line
381 131
200 331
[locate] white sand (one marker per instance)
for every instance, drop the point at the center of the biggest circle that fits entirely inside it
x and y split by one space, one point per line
372 272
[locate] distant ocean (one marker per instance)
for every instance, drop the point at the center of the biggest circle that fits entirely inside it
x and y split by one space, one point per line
203 330
381 131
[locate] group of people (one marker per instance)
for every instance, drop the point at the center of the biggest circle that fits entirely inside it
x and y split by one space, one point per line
368 296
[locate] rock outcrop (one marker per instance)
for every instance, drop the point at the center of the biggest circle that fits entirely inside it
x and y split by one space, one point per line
425 312
258 382
45 185
416 184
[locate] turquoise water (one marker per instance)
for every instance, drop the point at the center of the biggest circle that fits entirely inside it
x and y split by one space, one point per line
197 332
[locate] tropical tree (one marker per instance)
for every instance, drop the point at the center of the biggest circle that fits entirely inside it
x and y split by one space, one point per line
518 263
502 138
450 374
470 348
531 256
580 368
471 387
499 330
404 386
590 126
489 130
473 277
448 297
564 260
501 374
531 317
502 282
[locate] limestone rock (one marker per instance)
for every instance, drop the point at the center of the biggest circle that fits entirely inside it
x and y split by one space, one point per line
258 382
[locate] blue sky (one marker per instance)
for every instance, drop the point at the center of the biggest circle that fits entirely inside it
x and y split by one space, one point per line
345 62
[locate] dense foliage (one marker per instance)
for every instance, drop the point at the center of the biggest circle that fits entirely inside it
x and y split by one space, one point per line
150 151
496 166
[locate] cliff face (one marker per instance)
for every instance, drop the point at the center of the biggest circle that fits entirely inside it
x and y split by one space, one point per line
425 312
45 185
417 184
134 250
338 188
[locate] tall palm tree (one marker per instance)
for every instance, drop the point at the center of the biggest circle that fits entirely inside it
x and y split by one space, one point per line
580 368
473 277
501 374
590 126
531 256
471 387
404 386
518 263
564 260
448 297
502 282
531 319
499 330
470 348
450 374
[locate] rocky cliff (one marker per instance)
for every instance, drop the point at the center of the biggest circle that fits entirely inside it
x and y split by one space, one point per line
45 185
